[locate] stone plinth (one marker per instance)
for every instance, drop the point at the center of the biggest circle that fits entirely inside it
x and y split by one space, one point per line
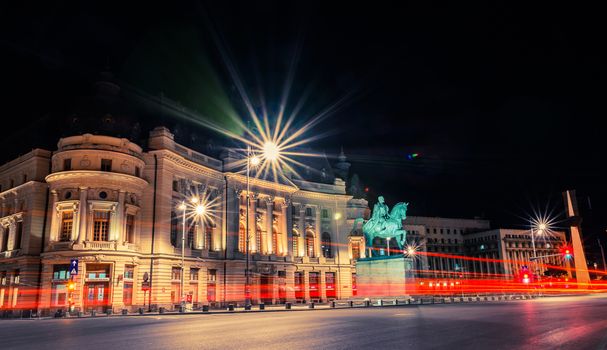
383 276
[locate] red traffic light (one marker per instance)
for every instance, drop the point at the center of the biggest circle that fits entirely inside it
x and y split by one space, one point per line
567 252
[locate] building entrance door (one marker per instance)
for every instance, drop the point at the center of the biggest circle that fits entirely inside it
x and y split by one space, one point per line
330 285
96 296
267 289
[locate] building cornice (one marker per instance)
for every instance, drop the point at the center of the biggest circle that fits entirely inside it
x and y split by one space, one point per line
181 161
321 196
254 182
65 177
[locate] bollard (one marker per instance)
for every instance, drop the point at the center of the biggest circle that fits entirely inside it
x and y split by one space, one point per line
161 310
93 313
351 303
205 308
125 312
311 306
395 301
380 302
333 303
140 311
367 303
288 306
262 306
230 307
247 307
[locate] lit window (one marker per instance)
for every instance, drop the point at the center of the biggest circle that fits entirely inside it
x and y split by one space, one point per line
67 164
101 225
67 224
106 165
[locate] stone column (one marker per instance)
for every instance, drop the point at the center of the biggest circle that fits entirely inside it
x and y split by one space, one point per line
253 223
55 219
218 229
232 217
269 227
301 244
318 229
120 234
82 215
285 229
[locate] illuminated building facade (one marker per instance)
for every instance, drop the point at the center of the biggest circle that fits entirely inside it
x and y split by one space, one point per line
114 207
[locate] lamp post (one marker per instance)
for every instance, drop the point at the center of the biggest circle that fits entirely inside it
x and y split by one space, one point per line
199 211
251 160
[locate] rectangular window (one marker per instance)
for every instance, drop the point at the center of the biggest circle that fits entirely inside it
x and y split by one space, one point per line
355 250
194 274
130 228
17 277
325 214
294 210
18 235
176 273
67 164
190 236
211 285
67 224
137 171
176 285
61 272
24 178
129 272
59 294
175 186
106 165
308 211
101 225
314 285
354 288
4 232
299 286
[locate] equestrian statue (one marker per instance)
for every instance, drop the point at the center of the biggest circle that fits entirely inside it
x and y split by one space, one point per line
385 224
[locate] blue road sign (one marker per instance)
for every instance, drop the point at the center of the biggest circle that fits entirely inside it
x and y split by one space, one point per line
74 267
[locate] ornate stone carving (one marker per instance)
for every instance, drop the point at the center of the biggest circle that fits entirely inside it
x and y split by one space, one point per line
125 166
85 163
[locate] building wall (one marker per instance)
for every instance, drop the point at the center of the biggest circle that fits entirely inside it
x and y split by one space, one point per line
137 199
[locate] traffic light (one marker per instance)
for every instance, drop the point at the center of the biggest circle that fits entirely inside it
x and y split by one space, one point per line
71 286
567 252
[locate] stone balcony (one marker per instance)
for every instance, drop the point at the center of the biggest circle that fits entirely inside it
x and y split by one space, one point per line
93 245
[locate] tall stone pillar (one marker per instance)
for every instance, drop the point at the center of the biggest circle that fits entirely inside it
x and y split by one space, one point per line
301 244
218 229
232 217
269 227
253 223
82 215
55 220
318 231
285 230
120 234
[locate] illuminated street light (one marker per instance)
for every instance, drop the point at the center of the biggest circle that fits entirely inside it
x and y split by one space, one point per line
200 209
271 151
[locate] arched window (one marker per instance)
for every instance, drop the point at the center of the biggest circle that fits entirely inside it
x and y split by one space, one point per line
208 237
242 238
310 244
326 245
275 240
295 243
174 224
258 238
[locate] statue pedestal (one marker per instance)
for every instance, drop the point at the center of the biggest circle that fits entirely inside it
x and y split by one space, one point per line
383 276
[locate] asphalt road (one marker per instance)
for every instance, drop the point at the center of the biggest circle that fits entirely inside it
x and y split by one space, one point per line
549 323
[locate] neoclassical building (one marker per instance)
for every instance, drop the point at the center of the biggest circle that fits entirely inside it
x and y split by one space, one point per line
115 207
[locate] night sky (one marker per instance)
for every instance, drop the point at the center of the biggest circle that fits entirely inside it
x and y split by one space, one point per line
501 103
